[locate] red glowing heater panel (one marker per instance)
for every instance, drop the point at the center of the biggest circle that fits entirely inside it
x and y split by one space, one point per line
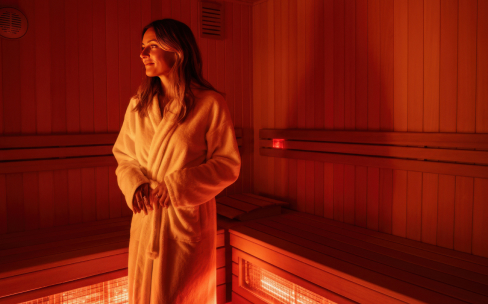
274 289
109 292
278 143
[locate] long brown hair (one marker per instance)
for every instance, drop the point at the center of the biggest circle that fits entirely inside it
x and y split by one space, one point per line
177 37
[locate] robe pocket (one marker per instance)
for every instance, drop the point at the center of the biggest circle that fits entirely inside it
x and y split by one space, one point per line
185 224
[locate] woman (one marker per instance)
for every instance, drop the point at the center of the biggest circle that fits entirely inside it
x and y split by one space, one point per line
176 151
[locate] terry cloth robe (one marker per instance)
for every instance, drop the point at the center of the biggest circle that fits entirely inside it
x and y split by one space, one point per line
172 251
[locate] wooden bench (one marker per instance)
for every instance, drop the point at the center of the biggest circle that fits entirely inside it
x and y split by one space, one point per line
348 264
44 262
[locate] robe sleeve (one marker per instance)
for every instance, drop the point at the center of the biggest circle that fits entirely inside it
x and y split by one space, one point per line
129 173
196 185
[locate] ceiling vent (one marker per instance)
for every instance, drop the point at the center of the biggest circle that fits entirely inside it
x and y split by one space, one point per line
13 23
212 20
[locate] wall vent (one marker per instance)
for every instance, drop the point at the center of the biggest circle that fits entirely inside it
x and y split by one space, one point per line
13 23
212 20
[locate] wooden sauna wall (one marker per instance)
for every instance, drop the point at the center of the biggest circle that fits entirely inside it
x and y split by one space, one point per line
74 72
375 65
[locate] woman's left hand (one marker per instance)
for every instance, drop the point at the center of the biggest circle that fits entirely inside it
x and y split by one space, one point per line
160 196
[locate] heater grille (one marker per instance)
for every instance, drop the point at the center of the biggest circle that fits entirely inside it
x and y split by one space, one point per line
274 289
109 292
13 23
212 20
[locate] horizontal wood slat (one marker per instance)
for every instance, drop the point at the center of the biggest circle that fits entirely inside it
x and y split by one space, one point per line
64 152
381 162
56 164
38 141
446 155
446 140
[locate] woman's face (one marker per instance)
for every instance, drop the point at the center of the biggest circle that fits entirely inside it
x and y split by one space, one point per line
157 61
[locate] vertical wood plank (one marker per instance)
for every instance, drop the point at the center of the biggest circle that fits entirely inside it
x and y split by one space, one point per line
372 220
414 205
113 194
399 207
88 196
72 67
57 75
27 62
309 187
328 190
482 69
46 199
292 184
432 12
467 16
283 78
429 207
400 65
463 214
11 86
319 189
158 8
102 193
114 119
349 193
15 202
301 186
85 36
238 76
100 67
60 198
349 65
374 50
185 12
386 66
1 95
386 201
361 196
445 211
480 214
318 64
74 191
339 192
3 205
329 64
269 113
309 78
361 65
448 66
43 68
415 66
176 9
339 65
123 16
31 200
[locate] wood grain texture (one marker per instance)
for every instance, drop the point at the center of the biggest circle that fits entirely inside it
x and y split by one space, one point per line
448 66
480 212
482 68
431 65
445 217
429 207
463 214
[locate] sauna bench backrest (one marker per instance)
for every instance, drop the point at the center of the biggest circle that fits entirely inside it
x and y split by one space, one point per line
33 264
361 265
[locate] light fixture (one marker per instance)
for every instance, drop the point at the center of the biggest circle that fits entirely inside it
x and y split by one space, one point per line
278 143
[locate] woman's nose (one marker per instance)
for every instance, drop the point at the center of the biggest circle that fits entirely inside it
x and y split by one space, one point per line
144 53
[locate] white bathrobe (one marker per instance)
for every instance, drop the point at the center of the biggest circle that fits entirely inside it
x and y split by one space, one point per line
172 256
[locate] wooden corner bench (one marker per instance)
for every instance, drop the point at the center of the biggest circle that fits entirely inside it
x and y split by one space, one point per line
44 262
348 264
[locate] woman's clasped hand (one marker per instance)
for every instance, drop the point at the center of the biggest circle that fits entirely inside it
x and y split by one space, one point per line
146 199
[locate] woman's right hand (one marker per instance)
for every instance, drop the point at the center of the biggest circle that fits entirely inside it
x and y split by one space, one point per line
140 201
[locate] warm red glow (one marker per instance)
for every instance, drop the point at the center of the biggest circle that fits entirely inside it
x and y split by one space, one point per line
271 287
278 143
109 292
